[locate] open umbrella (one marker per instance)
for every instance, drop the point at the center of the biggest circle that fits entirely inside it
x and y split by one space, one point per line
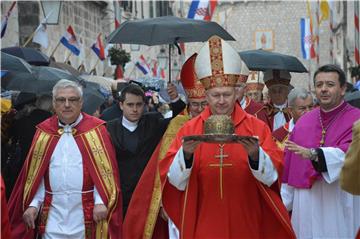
12 63
167 30
105 82
42 79
65 67
260 60
30 55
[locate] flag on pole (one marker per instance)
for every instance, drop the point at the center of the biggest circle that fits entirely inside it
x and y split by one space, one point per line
202 9
98 48
70 42
40 35
306 40
154 69
313 36
143 65
5 19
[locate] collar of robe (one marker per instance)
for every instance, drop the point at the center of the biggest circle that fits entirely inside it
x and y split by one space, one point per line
69 128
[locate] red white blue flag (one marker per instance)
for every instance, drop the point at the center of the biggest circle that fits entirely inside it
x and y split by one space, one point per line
70 42
143 65
202 9
98 48
5 19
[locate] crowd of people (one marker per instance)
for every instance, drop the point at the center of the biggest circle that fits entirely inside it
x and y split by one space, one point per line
133 172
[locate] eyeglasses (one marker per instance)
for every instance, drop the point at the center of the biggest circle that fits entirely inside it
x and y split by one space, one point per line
62 100
198 104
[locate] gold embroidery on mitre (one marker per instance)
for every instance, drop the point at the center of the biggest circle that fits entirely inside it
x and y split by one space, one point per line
216 57
198 91
219 81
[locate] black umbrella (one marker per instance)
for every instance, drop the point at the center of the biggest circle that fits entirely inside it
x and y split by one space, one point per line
167 30
260 60
65 67
12 63
93 99
353 98
41 80
30 55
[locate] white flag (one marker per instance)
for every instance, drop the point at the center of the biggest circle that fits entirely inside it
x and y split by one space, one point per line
41 36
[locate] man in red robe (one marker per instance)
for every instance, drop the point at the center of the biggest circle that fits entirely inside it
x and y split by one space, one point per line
224 190
300 101
277 82
248 104
69 184
145 218
255 85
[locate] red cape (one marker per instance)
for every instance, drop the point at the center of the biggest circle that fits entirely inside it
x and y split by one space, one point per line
256 109
5 224
183 206
47 132
269 107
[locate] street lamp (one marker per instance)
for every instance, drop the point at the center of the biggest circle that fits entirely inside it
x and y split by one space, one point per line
175 70
51 10
162 59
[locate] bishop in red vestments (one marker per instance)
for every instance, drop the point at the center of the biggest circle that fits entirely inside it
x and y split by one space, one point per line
70 139
224 190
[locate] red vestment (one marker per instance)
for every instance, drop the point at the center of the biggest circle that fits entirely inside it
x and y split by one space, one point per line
271 111
100 170
5 225
281 134
142 218
256 109
248 208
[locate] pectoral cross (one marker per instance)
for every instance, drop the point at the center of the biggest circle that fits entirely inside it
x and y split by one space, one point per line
221 164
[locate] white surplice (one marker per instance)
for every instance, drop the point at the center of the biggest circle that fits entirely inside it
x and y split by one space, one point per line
279 117
66 216
324 211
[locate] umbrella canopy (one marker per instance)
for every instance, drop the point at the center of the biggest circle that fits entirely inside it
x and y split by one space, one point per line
65 67
353 98
105 82
93 99
167 30
30 55
13 63
41 80
260 60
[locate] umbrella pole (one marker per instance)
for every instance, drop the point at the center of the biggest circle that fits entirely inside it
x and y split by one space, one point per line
94 68
169 63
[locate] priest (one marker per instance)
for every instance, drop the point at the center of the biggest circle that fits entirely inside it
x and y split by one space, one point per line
224 190
313 160
69 184
277 82
145 215
255 85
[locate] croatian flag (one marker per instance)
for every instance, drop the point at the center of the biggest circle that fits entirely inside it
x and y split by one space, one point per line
143 65
98 48
70 42
5 19
306 40
202 9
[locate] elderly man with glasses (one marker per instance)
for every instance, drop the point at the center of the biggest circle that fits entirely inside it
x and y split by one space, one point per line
70 173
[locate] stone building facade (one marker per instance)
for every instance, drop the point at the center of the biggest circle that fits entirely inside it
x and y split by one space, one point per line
244 20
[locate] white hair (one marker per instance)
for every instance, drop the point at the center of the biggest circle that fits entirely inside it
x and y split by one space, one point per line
297 93
62 84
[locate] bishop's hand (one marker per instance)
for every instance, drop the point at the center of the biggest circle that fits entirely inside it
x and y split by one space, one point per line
189 147
99 212
29 217
297 149
172 91
251 146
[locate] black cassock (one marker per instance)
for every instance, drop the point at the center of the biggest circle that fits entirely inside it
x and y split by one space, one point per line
134 149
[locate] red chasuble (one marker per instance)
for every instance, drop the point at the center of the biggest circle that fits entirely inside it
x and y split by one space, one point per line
143 220
100 170
256 109
231 204
280 135
5 225
271 111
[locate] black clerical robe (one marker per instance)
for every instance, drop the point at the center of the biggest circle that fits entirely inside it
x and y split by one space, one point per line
134 149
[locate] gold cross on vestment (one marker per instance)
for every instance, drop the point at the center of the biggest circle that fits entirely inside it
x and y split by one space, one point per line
221 164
